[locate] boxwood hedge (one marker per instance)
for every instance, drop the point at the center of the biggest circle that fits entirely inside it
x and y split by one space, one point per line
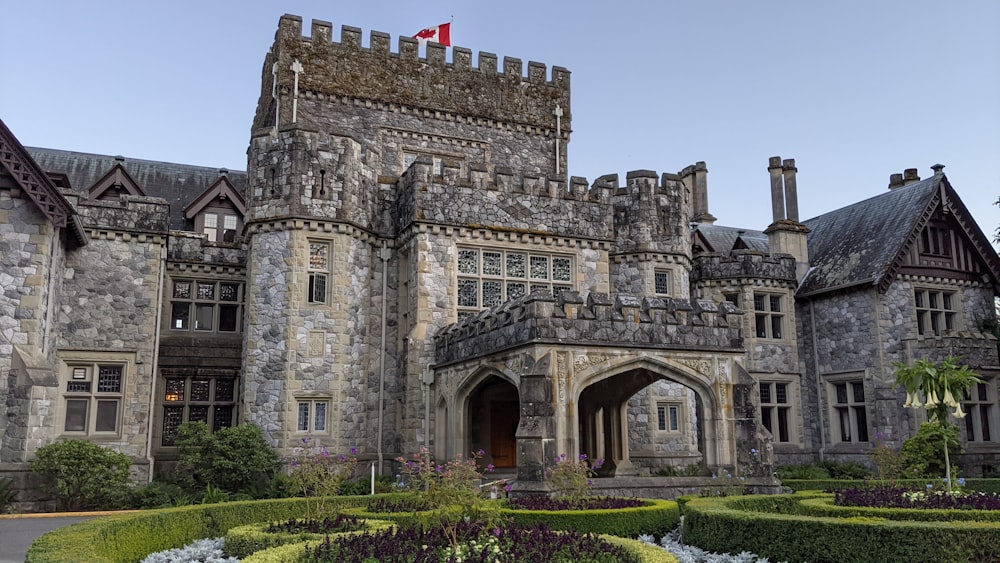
772 527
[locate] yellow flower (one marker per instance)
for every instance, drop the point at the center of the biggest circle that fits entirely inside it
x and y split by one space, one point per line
949 399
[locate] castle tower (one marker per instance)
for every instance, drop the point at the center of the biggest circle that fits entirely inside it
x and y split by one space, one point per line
351 147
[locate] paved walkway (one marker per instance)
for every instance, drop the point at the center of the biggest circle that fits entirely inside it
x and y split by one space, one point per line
18 531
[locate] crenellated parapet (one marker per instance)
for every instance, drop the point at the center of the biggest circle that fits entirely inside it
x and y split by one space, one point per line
502 199
595 319
743 264
347 69
651 213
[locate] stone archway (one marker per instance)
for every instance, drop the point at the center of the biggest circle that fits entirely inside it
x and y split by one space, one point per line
484 418
602 397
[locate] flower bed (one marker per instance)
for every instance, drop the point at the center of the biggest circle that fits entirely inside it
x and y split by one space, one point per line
892 496
242 541
779 528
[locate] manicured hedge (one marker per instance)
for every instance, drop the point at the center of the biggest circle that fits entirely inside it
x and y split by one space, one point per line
293 552
735 524
657 517
241 541
130 537
971 484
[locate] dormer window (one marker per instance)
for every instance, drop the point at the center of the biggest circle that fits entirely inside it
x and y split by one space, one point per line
211 227
218 212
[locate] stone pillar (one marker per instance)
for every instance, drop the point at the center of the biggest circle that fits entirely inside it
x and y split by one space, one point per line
777 190
536 434
791 195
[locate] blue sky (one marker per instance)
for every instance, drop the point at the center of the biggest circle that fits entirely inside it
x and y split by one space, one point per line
853 90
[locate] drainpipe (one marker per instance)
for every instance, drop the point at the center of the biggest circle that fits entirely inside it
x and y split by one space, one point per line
384 255
156 361
819 384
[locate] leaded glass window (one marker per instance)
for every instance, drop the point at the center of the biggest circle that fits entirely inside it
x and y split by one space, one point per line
488 277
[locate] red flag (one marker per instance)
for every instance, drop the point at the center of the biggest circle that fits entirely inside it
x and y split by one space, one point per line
438 34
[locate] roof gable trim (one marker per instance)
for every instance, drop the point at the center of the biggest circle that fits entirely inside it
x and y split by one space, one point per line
222 188
119 178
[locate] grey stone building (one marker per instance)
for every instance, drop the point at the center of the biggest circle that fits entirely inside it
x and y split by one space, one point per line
405 265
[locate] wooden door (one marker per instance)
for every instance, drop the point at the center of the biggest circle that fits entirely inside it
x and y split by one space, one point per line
503 428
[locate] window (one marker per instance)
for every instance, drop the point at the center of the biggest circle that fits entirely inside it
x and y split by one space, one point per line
768 315
312 415
211 227
409 158
979 412
775 409
319 268
733 298
206 305
850 411
211 400
661 281
487 278
93 398
935 311
935 241
668 417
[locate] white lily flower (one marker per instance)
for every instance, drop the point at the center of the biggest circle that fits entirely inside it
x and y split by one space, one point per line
949 399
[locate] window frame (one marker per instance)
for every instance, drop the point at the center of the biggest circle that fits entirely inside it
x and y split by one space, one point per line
80 382
851 408
928 315
170 401
980 406
318 273
771 410
769 315
665 274
194 302
311 414
664 420
502 280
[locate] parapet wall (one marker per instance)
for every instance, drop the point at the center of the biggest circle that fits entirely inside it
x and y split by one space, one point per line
128 214
742 264
597 319
346 68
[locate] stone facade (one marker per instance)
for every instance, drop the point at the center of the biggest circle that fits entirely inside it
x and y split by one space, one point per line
405 264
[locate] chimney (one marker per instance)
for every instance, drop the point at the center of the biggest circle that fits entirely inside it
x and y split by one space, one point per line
910 176
791 196
895 181
699 195
786 235
938 169
777 192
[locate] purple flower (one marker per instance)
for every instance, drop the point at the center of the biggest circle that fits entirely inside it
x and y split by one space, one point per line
490 467
481 452
323 451
583 457
305 440
343 458
508 488
354 451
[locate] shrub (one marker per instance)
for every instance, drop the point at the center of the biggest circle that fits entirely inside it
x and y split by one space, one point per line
809 471
572 478
160 494
890 463
232 459
846 469
924 454
86 475
315 473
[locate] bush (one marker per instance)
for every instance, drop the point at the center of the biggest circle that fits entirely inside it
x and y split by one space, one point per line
924 454
233 459
86 476
807 471
160 494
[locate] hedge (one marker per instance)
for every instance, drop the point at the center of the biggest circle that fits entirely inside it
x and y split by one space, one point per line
971 484
242 541
130 537
293 552
735 524
656 517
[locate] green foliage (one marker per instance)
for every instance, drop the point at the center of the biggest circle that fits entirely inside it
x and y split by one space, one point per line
941 384
803 471
772 527
724 484
315 473
8 494
924 452
160 494
655 517
129 537
571 478
86 475
242 541
890 463
214 495
232 459
383 484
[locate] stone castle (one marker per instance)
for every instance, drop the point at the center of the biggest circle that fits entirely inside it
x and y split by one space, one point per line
405 264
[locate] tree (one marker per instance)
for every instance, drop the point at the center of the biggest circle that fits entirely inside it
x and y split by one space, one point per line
939 384
232 459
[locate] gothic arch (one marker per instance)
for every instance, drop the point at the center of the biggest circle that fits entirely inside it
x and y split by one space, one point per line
598 424
483 411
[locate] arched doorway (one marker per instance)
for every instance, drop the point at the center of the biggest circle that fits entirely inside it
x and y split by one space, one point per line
603 413
492 416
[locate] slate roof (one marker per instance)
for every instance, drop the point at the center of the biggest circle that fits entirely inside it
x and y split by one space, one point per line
179 184
859 244
723 239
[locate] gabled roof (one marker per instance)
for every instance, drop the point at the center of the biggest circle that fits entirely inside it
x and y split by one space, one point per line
724 239
37 185
221 188
117 178
179 184
865 243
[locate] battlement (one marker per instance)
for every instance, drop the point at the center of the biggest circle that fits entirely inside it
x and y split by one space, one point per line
348 69
743 264
595 319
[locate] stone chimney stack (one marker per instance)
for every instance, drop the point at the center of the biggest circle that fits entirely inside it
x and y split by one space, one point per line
699 194
895 181
786 235
910 176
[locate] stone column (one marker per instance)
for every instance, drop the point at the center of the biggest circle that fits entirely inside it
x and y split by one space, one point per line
536 442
